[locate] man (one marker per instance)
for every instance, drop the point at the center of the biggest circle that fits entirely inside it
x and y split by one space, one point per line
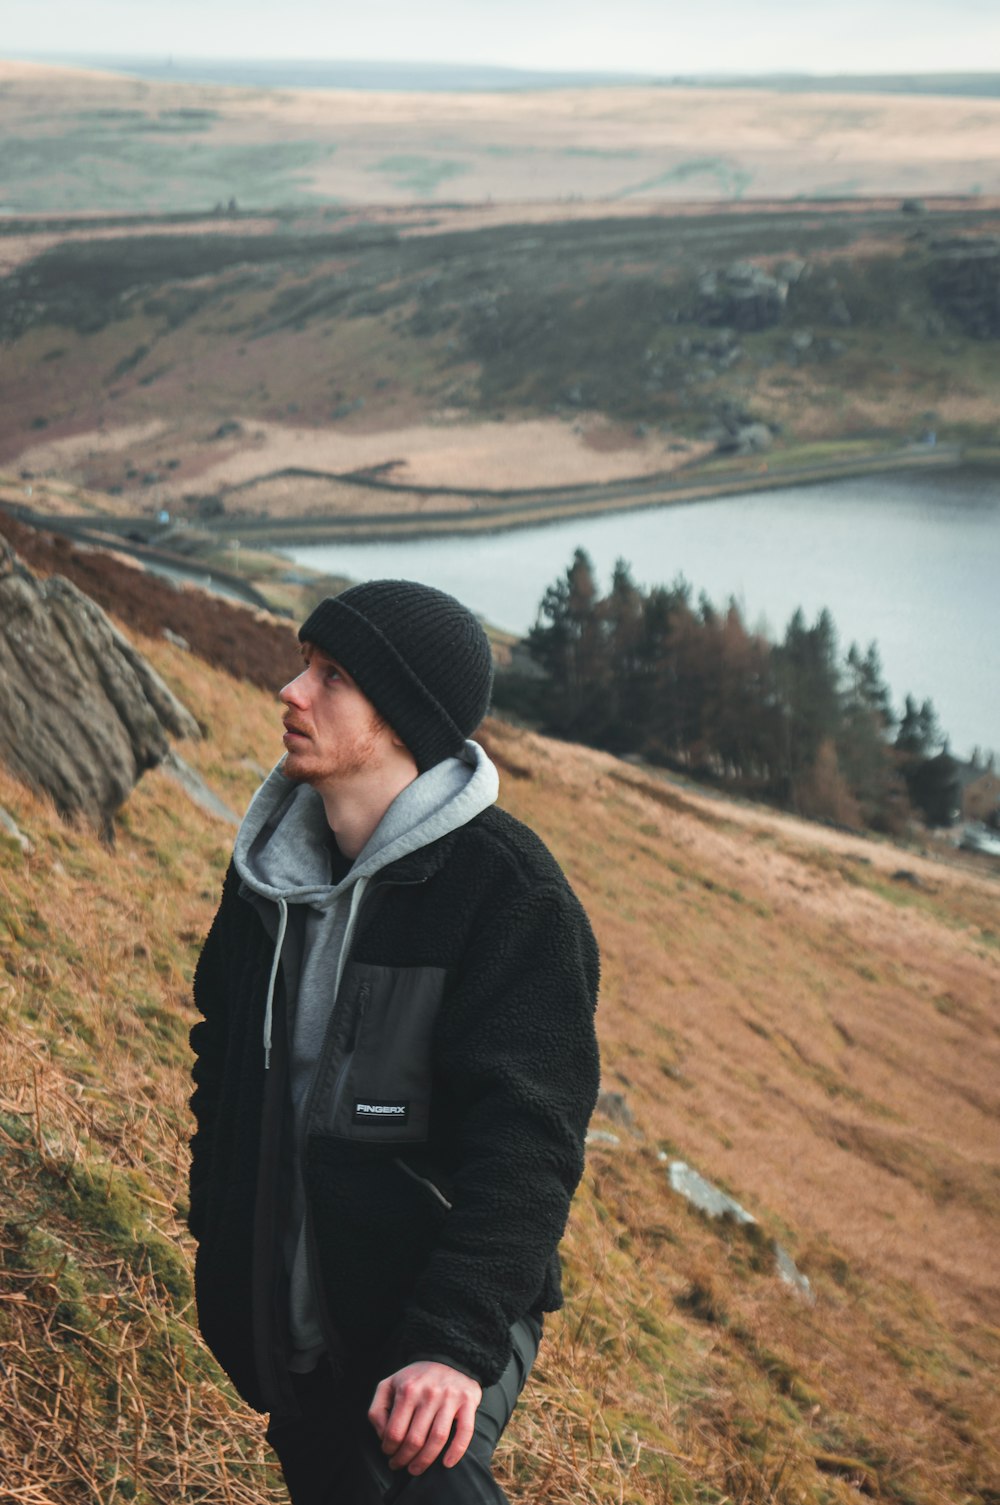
394 1073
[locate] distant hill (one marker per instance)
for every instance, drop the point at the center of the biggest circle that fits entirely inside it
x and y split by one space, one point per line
186 137
240 367
384 75
961 85
806 1018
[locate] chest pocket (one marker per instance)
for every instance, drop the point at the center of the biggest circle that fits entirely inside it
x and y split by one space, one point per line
381 1090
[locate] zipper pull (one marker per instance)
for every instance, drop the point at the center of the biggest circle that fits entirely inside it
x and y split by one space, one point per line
364 993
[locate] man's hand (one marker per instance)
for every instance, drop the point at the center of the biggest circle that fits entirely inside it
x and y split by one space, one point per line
414 1410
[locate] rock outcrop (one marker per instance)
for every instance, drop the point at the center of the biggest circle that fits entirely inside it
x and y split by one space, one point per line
82 714
965 282
741 296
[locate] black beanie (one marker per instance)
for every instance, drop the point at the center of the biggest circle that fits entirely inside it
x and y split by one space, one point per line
419 656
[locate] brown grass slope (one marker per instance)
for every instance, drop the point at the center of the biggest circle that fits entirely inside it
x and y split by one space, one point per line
813 1032
235 374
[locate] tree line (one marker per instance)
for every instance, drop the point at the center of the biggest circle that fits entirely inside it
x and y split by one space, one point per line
682 684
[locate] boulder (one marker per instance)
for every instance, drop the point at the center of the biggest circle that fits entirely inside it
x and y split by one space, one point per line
614 1106
200 793
742 297
715 1203
741 438
82 714
10 828
964 277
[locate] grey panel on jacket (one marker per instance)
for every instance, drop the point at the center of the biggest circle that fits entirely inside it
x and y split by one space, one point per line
379 1090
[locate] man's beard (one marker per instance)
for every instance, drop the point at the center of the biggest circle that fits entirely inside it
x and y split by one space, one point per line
345 760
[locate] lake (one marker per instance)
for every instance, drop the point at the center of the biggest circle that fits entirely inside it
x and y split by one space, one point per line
912 561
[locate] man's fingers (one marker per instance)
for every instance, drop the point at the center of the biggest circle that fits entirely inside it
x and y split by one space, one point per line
413 1412
429 1429
381 1406
465 1425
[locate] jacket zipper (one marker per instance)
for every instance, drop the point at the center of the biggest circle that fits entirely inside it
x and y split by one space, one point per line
330 1337
364 993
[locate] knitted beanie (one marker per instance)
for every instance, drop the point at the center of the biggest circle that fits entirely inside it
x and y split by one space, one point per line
419 656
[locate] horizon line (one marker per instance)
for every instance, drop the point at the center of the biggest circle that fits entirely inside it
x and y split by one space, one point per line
175 59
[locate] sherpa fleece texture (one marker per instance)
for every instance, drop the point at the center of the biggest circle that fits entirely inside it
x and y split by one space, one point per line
515 1077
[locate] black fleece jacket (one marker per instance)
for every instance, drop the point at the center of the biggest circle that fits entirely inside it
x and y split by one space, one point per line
432 1229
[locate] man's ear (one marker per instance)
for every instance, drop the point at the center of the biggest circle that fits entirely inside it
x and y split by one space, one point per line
398 742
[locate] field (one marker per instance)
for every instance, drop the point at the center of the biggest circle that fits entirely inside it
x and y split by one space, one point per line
806 1018
235 304
89 142
300 370
226 313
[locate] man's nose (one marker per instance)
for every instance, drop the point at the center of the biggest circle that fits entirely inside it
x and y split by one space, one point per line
294 693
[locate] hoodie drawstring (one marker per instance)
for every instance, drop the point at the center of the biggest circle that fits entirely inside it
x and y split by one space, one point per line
269 1006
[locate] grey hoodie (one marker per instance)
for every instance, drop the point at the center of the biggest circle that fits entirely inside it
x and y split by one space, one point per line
283 856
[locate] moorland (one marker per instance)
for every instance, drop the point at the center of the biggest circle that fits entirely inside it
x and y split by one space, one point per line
302 349
229 311
805 1017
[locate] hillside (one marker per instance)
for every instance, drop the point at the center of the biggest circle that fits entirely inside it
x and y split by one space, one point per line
81 140
246 306
808 1019
251 374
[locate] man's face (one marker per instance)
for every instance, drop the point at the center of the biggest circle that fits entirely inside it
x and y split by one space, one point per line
332 731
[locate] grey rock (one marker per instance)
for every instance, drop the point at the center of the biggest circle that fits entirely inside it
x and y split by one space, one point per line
715 1203
176 639
753 438
614 1106
703 1195
741 296
601 1136
802 339
792 1275
964 278
838 312
196 789
791 270
82 714
13 830
745 439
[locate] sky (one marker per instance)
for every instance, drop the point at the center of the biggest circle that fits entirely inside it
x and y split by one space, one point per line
655 37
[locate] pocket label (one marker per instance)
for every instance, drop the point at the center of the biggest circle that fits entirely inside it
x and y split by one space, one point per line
375 1110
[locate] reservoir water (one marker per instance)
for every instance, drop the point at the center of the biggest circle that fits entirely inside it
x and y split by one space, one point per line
912 561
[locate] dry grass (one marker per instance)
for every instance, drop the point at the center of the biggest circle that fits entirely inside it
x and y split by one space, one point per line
779 1011
631 143
448 451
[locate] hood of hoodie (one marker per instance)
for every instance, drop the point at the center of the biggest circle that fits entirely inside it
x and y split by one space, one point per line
283 846
283 857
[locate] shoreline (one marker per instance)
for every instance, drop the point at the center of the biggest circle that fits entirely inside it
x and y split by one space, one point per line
137 535
536 508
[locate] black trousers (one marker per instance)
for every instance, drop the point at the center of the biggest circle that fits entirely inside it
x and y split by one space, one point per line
330 1454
